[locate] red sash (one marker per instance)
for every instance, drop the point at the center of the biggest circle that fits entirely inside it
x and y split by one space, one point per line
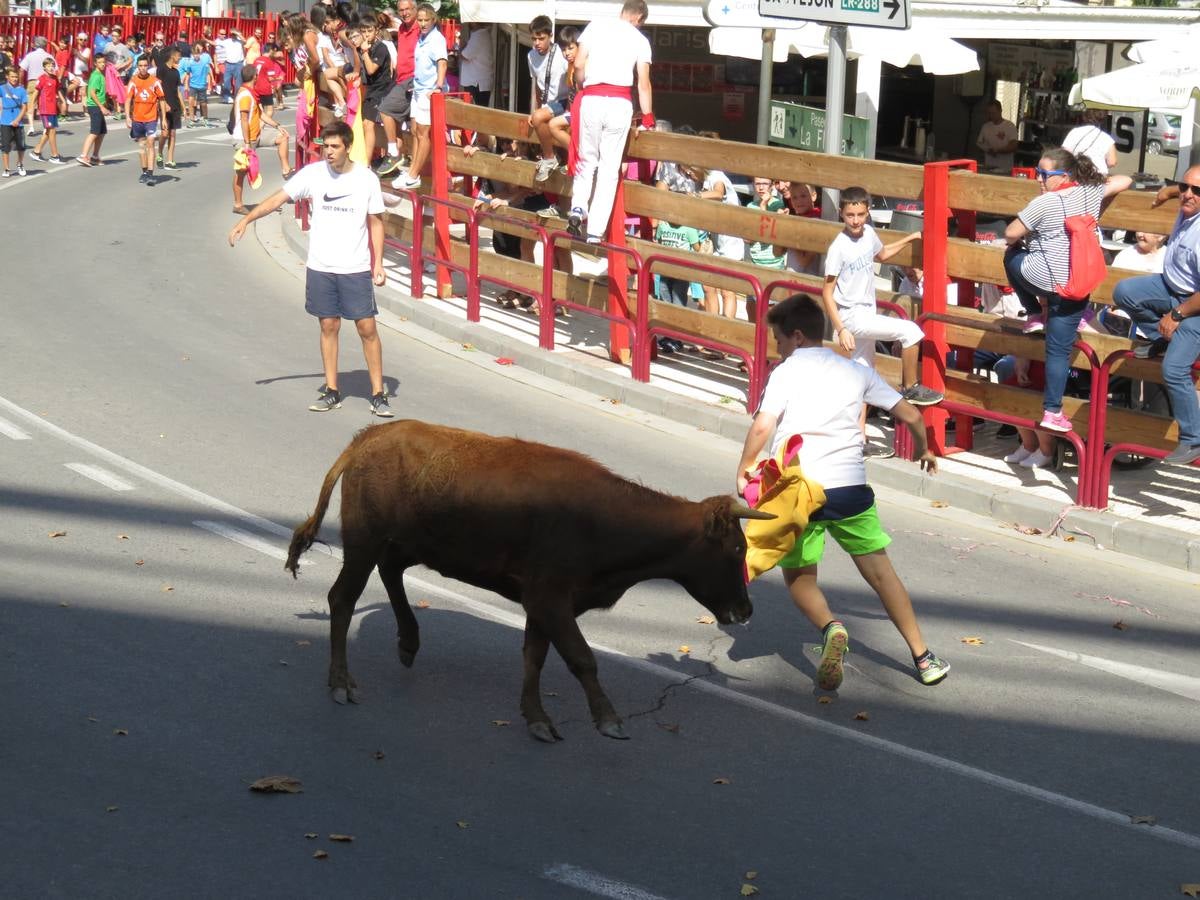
592 90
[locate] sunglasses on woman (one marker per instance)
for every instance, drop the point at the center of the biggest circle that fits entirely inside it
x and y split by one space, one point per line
1048 173
1184 187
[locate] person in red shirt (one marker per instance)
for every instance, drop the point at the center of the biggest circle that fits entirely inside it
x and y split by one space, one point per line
270 75
394 109
145 111
47 107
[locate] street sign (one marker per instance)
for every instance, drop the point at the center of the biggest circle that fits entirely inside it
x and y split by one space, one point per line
871 13
803 127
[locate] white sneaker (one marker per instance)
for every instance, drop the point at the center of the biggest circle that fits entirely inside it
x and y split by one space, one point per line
1019 455
21 171
545 167
404 181
1036 460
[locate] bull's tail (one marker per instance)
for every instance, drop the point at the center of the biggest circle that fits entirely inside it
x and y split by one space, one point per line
306 533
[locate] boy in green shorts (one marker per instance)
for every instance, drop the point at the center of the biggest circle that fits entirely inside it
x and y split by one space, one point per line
819 395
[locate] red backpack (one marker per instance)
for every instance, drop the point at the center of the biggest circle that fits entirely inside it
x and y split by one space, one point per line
1087 268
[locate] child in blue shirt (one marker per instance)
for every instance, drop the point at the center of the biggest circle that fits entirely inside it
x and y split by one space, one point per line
14 100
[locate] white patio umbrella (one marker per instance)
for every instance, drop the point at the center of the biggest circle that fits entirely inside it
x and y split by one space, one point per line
917 46
1181 42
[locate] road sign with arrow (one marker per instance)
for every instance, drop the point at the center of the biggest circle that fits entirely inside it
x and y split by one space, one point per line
869 13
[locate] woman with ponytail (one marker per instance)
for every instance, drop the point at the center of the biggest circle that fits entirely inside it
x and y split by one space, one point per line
1038 264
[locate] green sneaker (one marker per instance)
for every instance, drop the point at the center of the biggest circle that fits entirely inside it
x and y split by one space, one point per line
932 669
837 645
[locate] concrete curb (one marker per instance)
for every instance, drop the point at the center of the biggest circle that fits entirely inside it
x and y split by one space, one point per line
1154 543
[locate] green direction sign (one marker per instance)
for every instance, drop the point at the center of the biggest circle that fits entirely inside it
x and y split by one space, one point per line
872 13
803 127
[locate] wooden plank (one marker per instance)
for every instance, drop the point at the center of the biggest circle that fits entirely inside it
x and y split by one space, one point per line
1003 196
686 268
985 264
979 331
518 172
972 390
884 178
1128 426
483 119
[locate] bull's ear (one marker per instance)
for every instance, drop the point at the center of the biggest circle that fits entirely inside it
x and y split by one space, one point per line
741 511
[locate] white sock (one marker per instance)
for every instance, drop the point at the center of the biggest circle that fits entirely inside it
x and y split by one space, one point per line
393 149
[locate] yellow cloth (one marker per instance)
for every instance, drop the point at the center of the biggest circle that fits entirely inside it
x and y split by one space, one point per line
791 498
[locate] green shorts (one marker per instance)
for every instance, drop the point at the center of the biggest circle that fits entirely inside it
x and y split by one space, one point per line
857 535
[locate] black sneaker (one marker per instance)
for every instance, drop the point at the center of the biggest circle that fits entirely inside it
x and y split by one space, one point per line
388 165
1152 350
331 399
379 406
919 395
144 178
33 154
575 223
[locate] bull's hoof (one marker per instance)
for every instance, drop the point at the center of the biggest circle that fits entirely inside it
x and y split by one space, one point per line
341 696
614 729
544 732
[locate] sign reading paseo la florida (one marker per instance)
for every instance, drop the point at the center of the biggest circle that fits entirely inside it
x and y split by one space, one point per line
871 13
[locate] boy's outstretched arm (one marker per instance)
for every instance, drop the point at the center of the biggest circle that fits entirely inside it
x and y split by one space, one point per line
841 336
890 250
756 438
911 417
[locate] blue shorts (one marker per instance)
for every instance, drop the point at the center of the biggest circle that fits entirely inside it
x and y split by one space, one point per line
557 107
139 130
330 296
49 122
96 118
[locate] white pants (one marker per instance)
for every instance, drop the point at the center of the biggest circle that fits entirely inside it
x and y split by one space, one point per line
868 326
603 128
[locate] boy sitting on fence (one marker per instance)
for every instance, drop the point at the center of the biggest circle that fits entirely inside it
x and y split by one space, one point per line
849 297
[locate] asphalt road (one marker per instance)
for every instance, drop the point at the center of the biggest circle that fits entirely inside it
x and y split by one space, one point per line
158 660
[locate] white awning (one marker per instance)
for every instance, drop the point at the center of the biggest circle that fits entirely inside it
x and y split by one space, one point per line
1170 83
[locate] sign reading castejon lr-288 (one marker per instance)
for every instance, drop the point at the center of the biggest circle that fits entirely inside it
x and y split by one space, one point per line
871 13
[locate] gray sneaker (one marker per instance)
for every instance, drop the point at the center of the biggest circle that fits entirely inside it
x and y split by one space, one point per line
379 406
932 668
1183 455
545 168
331 399
919 395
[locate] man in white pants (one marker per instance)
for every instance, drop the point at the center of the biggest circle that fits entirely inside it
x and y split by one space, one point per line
609 52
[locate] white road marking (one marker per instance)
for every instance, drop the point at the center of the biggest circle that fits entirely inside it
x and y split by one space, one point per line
1186 686
8 429
1029 791
575 877
246 539
104 477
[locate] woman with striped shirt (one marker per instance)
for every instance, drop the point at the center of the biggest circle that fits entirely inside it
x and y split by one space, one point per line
1038 262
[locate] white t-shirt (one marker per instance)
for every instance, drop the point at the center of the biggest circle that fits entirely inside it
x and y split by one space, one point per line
614 47
726 245
31 65
477 60
337 237
853 262
996 135
554 88
820 395
235 51
1131 259
1092 142
336 56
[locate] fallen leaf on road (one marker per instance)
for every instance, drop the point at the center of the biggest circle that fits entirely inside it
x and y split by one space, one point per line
92 719
722 780
973 641
468 347
64 603
824 699
283 662
122 537
320 854
503 361
862 716
749 890
500 723
342 838
1069 538
1142 820
684 648
111 808
277 784
672 727
1120 626
461 824
1192 890
939 504
751 875
311 835
1028 529
121 732
56 534
140 562
167 588
303 643
378 754
706 620
422 604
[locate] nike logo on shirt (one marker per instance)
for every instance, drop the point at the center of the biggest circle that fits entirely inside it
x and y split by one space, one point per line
329 199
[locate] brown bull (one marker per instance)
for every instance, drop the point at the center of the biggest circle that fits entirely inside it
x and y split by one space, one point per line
547 528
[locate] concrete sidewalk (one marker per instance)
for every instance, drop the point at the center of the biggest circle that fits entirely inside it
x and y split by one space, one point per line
1154 512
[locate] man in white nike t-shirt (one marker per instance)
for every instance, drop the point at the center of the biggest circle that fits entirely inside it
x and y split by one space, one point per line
343 265
609 52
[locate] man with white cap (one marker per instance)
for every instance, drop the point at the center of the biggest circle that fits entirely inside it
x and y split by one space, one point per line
31 71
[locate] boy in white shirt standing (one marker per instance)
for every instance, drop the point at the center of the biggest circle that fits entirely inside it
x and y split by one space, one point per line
849 297
609 52
820 396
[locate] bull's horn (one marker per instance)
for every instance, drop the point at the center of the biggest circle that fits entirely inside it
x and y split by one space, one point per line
742 511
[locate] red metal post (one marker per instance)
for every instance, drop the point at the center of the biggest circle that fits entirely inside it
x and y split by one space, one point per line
934 246
618 281
441 190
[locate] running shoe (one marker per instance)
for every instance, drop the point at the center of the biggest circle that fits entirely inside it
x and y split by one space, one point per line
1034 325
170 165
143 178
837 644
932 668
1017 456
1037 460
7 174
83 161
406 182
1055 421
331 399
158 160
21 170
56 160
379 406
919 395
1183 455
575 222
545 168
33 154
387 165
